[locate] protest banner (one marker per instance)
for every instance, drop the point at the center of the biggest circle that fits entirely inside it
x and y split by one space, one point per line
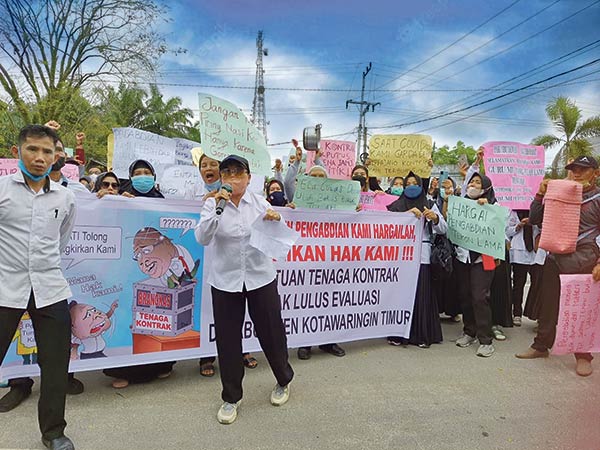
372 201
395 155
338 157
578 328
340 282
516 171
225 130
349 276
324 193
166 155
480 228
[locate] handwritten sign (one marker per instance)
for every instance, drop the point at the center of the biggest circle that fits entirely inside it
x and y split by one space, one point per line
181 182
477 227
338 157
324 193
371 201
395 155
516 171
71 171
8 166
578 328
225 130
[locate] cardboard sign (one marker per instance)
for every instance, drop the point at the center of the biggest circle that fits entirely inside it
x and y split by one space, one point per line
324 193
516 171
477 227
395 155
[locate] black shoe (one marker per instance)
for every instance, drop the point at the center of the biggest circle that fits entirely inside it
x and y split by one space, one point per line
75 387
304 353
61 443
333 349
14 398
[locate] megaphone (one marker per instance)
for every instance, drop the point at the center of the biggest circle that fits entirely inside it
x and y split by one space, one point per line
311 138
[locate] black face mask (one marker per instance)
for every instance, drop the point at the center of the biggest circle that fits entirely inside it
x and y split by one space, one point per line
59 164
276 198
361 180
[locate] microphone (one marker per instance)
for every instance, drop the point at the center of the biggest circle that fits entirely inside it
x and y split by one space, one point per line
223 202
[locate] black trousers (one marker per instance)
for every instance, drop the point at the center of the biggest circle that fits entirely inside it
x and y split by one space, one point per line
264 306
52 329
519 275
474 291
549 308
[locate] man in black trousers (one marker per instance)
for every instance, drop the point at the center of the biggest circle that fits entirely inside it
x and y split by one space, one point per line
36 220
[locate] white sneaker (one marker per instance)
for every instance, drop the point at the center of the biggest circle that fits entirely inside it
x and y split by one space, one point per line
228 412
280 395
498 333
465 340
485 351
517 321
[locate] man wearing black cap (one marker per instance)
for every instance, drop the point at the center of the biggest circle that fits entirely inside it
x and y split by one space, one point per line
239 273
585 259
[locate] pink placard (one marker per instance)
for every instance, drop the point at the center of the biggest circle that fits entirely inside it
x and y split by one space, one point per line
516 171
71 171
578 329
338 157
8 166
371 201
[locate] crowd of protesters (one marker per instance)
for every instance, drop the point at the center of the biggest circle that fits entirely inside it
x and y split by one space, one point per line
486 296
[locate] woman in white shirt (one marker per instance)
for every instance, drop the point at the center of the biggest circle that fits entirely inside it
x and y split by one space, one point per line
239 273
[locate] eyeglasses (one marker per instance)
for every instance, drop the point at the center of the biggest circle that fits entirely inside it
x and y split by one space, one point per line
106 185
233 172
143 251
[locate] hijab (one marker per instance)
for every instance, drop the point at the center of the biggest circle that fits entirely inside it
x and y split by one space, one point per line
404 203
488 189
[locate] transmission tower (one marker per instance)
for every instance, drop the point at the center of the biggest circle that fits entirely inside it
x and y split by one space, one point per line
259 114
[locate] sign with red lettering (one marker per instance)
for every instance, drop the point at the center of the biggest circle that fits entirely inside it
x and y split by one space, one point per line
338 157
151 321
150 299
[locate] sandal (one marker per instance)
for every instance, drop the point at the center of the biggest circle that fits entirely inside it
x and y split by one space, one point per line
250 362
207 369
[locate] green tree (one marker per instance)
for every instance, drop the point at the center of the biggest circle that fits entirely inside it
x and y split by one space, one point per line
166 118
573 133
57 47
446 156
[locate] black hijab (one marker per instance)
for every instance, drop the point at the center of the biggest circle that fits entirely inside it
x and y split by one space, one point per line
404 203
527 230
488 189
128 186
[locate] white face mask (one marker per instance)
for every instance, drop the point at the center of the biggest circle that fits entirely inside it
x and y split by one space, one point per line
93 177
474 192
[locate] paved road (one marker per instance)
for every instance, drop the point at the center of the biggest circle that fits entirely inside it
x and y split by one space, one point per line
377 397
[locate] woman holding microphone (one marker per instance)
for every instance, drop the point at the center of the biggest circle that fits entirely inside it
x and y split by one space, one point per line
238 274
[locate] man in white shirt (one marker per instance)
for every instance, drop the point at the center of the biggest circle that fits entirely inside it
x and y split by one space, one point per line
36 220
240 273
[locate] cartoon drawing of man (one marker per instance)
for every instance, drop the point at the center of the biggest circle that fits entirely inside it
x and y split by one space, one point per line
88 324
26 346
159 258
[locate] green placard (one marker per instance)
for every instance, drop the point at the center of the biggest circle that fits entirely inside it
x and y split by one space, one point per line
225 130
480 228
326 193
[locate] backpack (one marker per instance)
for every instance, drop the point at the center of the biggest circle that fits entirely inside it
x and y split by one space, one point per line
442 252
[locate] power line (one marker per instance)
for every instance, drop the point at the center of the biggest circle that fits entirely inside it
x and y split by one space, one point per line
491 99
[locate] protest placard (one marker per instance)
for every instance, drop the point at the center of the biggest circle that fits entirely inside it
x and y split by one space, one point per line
395 155
71 171
225 130
338 157
8 166
578 328
516 171
372 201
324 193
339 282
480 228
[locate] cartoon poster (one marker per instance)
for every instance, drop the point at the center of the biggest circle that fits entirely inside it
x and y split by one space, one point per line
135 271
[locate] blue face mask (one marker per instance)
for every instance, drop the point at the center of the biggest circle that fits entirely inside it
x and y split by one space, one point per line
213 186
413 191
143 183
397 190
29 174
277 198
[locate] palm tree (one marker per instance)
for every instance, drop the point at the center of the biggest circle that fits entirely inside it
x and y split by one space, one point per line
574 133
166 118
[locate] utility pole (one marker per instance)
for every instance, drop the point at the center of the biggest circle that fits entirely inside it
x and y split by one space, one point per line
362 125
259 114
